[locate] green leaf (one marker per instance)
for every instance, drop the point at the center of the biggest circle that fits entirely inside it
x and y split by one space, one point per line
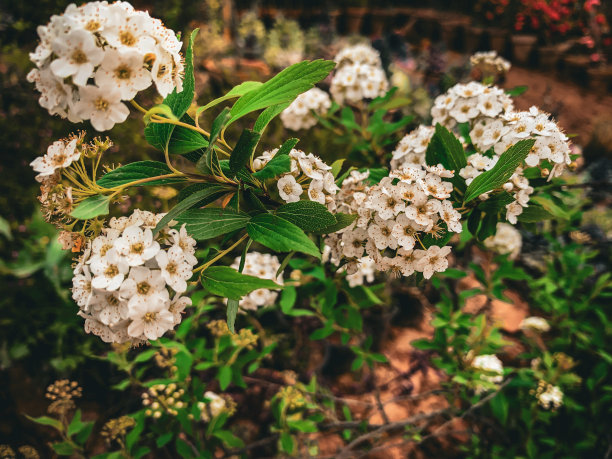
516 91
551 207
342 221
268 115
161 109
47 421
185 204
501 172
444 148
275 167
288 297
533 214
91 207
232 310
336 167
280 235
229 439
243 150
163 439
347 118
138 171
63 448
286 147
184 140
158 134
209 163
225 377
308 215
287 442
202 224
229 283
236 91
189 190
282 88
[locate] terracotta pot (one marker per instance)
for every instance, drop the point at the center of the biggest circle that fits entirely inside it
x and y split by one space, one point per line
453 32
497 39
355 19
549 57
522 46
575 67
381 19
600 78
473 39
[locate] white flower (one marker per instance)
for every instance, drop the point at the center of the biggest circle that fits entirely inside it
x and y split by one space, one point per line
288 188
264 266
174 269
215 406
144 285
81 288
151 319
538 324
109 308
182 239
432 260
299 115
513 210
365 271
506 240
102 106
404 232
124 71
382 234
162 72
451 217
109 271
353 242
358 75
315 191
59 155
177 306
549 396
492 368
78 55
136 245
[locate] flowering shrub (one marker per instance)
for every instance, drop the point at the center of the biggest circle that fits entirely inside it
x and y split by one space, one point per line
326 227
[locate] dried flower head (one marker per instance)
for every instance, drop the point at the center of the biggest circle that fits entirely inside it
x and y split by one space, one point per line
117 428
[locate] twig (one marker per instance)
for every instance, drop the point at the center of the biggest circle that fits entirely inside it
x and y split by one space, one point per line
388 428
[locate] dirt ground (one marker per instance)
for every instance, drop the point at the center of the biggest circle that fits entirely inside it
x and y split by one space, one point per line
577 109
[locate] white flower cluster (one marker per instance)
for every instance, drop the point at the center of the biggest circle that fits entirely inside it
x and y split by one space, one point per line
490 63
264 266
551 144
122 281
304 167
394 217
299 115
60 155
491 365
359 75
92 57
549 396
214 406
465 103
411 149
506 240
535 323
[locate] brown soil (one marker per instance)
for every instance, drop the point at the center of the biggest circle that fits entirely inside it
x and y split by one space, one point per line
576 108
